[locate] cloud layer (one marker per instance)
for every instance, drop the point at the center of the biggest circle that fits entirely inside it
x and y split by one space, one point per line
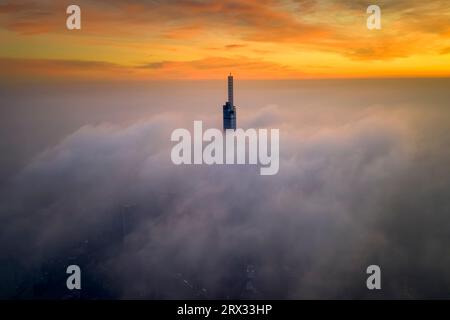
369 188
192 39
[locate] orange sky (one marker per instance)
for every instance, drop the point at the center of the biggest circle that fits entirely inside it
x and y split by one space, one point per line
205 39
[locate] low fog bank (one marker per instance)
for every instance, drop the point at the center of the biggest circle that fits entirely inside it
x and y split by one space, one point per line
353 189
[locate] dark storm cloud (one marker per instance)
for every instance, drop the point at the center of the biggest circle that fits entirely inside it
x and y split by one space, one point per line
371 191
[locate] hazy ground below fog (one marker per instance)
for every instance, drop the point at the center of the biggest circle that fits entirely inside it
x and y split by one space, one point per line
364 179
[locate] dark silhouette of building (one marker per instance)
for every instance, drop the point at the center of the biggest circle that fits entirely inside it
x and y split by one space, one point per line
229 110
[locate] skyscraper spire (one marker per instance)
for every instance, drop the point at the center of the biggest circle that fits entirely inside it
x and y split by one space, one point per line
229 110
230 90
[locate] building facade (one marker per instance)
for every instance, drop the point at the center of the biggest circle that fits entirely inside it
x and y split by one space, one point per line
229 110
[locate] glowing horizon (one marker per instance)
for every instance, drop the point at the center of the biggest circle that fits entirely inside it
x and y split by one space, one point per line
266 39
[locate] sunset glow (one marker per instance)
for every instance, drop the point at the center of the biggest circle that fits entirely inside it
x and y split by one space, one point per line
264 39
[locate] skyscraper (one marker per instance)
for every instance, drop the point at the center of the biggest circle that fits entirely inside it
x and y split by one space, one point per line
229 110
